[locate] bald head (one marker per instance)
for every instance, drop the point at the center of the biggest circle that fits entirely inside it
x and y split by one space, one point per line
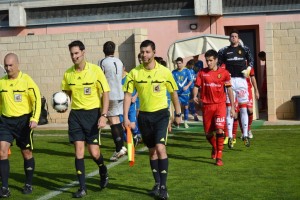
12 56
11 65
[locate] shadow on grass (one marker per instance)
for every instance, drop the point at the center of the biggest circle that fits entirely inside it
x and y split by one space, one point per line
71 145
66 143
184 133
49 181
183 146
53 152
187 139
197 159
121 187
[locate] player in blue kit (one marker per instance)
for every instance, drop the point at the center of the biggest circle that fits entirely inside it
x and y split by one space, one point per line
192 108
184 80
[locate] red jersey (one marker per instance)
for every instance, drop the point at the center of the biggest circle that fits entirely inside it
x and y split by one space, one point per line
212 85
248 79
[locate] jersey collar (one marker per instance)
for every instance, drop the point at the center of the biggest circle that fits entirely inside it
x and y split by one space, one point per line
86 67
19 76
155 66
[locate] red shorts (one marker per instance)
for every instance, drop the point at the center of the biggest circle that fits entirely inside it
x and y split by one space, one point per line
214 117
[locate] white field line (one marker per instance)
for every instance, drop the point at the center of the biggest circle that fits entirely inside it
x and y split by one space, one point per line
94 173
72 184
170 134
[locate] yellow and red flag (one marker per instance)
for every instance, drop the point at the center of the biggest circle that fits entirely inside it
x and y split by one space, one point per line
9 152
130 146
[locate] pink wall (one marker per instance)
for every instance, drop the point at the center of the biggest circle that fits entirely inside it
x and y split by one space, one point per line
163 33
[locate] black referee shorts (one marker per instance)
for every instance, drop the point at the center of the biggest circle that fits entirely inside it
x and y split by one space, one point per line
153 127
17 128
83 126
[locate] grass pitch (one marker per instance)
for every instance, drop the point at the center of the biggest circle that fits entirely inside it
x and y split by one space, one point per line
269 169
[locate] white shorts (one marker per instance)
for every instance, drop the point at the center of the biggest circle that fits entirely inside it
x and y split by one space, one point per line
240 90
115 108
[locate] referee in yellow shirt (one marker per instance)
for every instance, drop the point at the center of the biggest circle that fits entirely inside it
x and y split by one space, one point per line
20 107
84 82
152 82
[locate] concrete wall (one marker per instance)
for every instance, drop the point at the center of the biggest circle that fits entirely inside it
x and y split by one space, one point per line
46 57
283 69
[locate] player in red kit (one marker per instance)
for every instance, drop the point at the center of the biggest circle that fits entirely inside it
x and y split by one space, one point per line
211 82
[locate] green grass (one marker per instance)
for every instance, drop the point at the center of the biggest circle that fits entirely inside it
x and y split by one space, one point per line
269 169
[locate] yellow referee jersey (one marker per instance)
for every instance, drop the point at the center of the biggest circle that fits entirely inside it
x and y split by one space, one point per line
20 96
151 85
86 86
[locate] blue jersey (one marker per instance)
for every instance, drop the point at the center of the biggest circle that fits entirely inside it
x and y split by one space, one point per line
169 99
182 78
124 80
198 66
193 75
132 108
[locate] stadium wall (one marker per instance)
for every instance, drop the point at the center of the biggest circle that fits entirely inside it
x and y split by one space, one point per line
46 57
282 40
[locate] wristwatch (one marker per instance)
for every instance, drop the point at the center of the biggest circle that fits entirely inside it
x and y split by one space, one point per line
104 115
178 115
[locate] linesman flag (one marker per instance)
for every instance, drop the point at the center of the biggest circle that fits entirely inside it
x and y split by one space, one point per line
9 152
130 147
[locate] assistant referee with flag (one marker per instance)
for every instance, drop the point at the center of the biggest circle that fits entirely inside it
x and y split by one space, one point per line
20 107
152 81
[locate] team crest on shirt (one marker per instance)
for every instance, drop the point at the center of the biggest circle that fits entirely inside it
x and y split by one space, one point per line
156 88
87 90
219 75
239 52
18 97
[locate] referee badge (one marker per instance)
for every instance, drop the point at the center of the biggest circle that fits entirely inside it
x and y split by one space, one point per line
87 90
240 52
18 97
156 88
219 75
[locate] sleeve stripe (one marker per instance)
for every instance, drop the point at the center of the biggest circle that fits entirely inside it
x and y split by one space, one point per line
35 108
170 84
101 85
115 64
128 85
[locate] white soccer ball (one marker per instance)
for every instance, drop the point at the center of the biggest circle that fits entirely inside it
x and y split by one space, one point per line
60 101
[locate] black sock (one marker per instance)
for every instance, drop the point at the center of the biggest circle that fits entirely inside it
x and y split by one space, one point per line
154 169
117 134
80 171
29 166
4 171
163 171
100 163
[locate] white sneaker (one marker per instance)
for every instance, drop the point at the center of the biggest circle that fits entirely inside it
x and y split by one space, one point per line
123 151
186 125
114 157
117 155
250 135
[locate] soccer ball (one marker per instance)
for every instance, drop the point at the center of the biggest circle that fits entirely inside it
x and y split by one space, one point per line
60 101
